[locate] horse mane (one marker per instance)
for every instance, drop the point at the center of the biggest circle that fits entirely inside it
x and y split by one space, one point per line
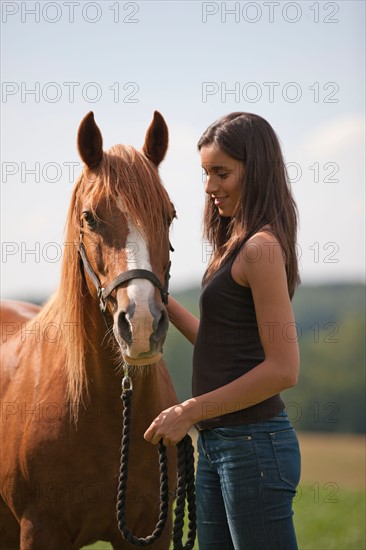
124 176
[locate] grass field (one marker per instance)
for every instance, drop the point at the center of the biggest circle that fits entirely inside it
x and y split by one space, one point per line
330 502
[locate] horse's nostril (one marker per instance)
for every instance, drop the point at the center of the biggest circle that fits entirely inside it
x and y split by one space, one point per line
161 325
124 327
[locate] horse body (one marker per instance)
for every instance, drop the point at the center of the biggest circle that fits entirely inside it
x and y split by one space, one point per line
61 428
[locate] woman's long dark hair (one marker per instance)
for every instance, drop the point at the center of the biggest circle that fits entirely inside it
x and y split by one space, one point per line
266 197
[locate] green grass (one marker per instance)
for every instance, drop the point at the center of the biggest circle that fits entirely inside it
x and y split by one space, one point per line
99 546
330 521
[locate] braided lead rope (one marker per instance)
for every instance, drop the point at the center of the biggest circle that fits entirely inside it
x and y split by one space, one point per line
185 490
185 485
122 485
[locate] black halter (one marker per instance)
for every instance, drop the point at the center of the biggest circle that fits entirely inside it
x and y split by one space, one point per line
104 292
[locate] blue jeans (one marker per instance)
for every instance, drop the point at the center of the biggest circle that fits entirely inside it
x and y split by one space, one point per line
245 482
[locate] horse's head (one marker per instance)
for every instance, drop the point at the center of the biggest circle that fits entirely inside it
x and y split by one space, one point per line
124 214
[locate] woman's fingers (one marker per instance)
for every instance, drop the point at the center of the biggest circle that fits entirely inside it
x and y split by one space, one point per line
150 435
168 426
154 435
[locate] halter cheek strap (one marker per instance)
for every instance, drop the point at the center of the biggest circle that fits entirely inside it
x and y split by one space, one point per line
104 292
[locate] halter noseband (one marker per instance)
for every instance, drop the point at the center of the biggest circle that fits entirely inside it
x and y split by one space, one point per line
104 292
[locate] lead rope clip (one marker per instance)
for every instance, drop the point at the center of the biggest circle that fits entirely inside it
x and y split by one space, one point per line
126 380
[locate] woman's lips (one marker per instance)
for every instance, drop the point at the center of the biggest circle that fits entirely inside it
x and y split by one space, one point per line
219 200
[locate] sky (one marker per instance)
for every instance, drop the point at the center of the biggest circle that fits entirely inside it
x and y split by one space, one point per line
299 64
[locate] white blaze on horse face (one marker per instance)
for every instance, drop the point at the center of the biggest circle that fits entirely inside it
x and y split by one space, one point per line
140 291
137 256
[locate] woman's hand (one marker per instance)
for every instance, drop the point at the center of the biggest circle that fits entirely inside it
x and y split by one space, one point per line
171 425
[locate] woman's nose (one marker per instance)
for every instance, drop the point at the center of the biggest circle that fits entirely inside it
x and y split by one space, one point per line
210 185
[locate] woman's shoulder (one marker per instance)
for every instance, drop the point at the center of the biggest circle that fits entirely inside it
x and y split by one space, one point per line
263 240
258 253
250 244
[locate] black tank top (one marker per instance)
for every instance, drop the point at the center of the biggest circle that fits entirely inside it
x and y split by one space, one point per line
228 346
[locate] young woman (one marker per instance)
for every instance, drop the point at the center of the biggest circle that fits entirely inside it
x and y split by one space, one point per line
245 344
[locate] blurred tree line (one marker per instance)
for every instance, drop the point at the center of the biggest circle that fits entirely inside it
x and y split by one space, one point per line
330 321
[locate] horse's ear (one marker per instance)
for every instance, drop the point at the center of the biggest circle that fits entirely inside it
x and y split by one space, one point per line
156 139
90 141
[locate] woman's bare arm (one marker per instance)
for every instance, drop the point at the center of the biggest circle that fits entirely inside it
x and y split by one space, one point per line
183 320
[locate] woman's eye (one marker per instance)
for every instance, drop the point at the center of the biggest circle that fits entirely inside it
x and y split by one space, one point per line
90 219
223 175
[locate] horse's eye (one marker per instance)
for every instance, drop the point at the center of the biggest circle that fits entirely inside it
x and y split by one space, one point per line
90 219
174 213
171 215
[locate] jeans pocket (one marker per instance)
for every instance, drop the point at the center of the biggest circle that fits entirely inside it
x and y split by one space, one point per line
287 453
232 433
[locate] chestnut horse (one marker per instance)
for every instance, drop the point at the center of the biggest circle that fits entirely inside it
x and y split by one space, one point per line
62 364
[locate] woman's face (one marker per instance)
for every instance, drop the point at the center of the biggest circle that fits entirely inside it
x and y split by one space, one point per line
224 178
